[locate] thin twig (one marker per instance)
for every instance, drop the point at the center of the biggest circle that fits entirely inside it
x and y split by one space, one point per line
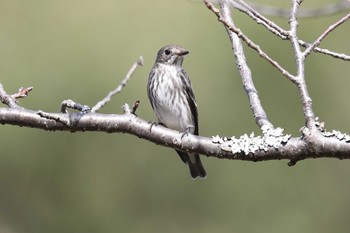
126 108
309 115
325 33
260 19
55 117
341 56
304 13
22 92
74 105
249 42
293 22
122 84
134 108
6 98
269 10
278 31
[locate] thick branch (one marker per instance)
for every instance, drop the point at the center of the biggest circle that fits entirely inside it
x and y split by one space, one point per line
294 149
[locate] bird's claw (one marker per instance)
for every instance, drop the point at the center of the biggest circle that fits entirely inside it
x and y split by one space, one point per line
183 134
153 124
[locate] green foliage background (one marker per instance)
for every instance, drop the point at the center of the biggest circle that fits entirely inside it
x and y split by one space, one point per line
97 182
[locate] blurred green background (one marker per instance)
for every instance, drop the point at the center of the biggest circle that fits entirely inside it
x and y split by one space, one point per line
98 182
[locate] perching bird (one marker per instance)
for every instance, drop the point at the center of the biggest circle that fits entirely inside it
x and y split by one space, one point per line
170 93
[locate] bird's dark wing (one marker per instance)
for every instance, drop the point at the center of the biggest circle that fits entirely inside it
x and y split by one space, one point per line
191 99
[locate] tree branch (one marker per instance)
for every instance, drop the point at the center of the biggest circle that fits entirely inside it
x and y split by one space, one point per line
295 149
325 33
227 21
300 67
242 66
122 84
315 142
254 13
299 79
325 10
7 99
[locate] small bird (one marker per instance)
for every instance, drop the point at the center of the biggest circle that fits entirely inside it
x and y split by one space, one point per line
170 93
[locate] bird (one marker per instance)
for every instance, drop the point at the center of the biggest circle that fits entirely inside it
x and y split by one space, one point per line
172 99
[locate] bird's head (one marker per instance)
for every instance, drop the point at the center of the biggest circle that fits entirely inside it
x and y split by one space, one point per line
171 55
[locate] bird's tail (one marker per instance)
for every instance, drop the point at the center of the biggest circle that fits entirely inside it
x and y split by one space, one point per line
196 167
194 164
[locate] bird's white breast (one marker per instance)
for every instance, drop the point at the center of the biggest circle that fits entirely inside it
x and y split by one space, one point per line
173 109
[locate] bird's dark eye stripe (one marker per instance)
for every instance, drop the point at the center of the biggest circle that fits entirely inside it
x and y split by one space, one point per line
167 52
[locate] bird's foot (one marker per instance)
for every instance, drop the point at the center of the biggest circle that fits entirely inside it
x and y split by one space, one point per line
183 134
154 124
187 131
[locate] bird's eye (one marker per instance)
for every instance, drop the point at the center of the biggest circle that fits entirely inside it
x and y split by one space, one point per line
167 52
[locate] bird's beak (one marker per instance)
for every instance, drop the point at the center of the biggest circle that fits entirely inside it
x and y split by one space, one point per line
183 53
